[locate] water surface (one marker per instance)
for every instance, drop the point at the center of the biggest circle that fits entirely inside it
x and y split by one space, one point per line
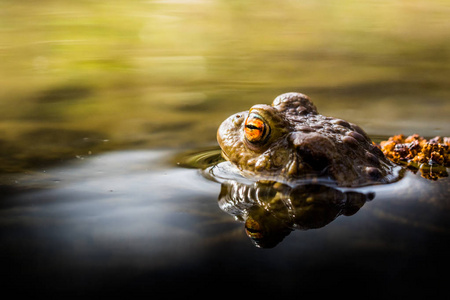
132 222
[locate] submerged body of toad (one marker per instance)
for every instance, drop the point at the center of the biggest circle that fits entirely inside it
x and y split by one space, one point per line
290 140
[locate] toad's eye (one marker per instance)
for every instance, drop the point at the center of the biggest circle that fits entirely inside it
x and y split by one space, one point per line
256 130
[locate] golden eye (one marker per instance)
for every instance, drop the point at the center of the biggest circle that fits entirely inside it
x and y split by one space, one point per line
256 129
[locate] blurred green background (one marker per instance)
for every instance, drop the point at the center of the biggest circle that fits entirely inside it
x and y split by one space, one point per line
82 77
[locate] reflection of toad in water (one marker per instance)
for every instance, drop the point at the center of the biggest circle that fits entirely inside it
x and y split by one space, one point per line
271 211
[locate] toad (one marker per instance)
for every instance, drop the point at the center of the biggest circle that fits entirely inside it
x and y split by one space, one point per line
289 140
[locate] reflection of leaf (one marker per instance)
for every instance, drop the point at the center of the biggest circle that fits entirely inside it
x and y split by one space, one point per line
65 93
44 146
54 137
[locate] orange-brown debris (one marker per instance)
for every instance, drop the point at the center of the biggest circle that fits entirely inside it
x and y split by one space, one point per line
416 151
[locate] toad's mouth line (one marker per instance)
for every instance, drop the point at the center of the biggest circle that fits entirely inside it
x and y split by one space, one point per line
225 156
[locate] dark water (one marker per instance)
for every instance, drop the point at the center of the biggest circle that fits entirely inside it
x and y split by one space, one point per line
133 222
108 114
